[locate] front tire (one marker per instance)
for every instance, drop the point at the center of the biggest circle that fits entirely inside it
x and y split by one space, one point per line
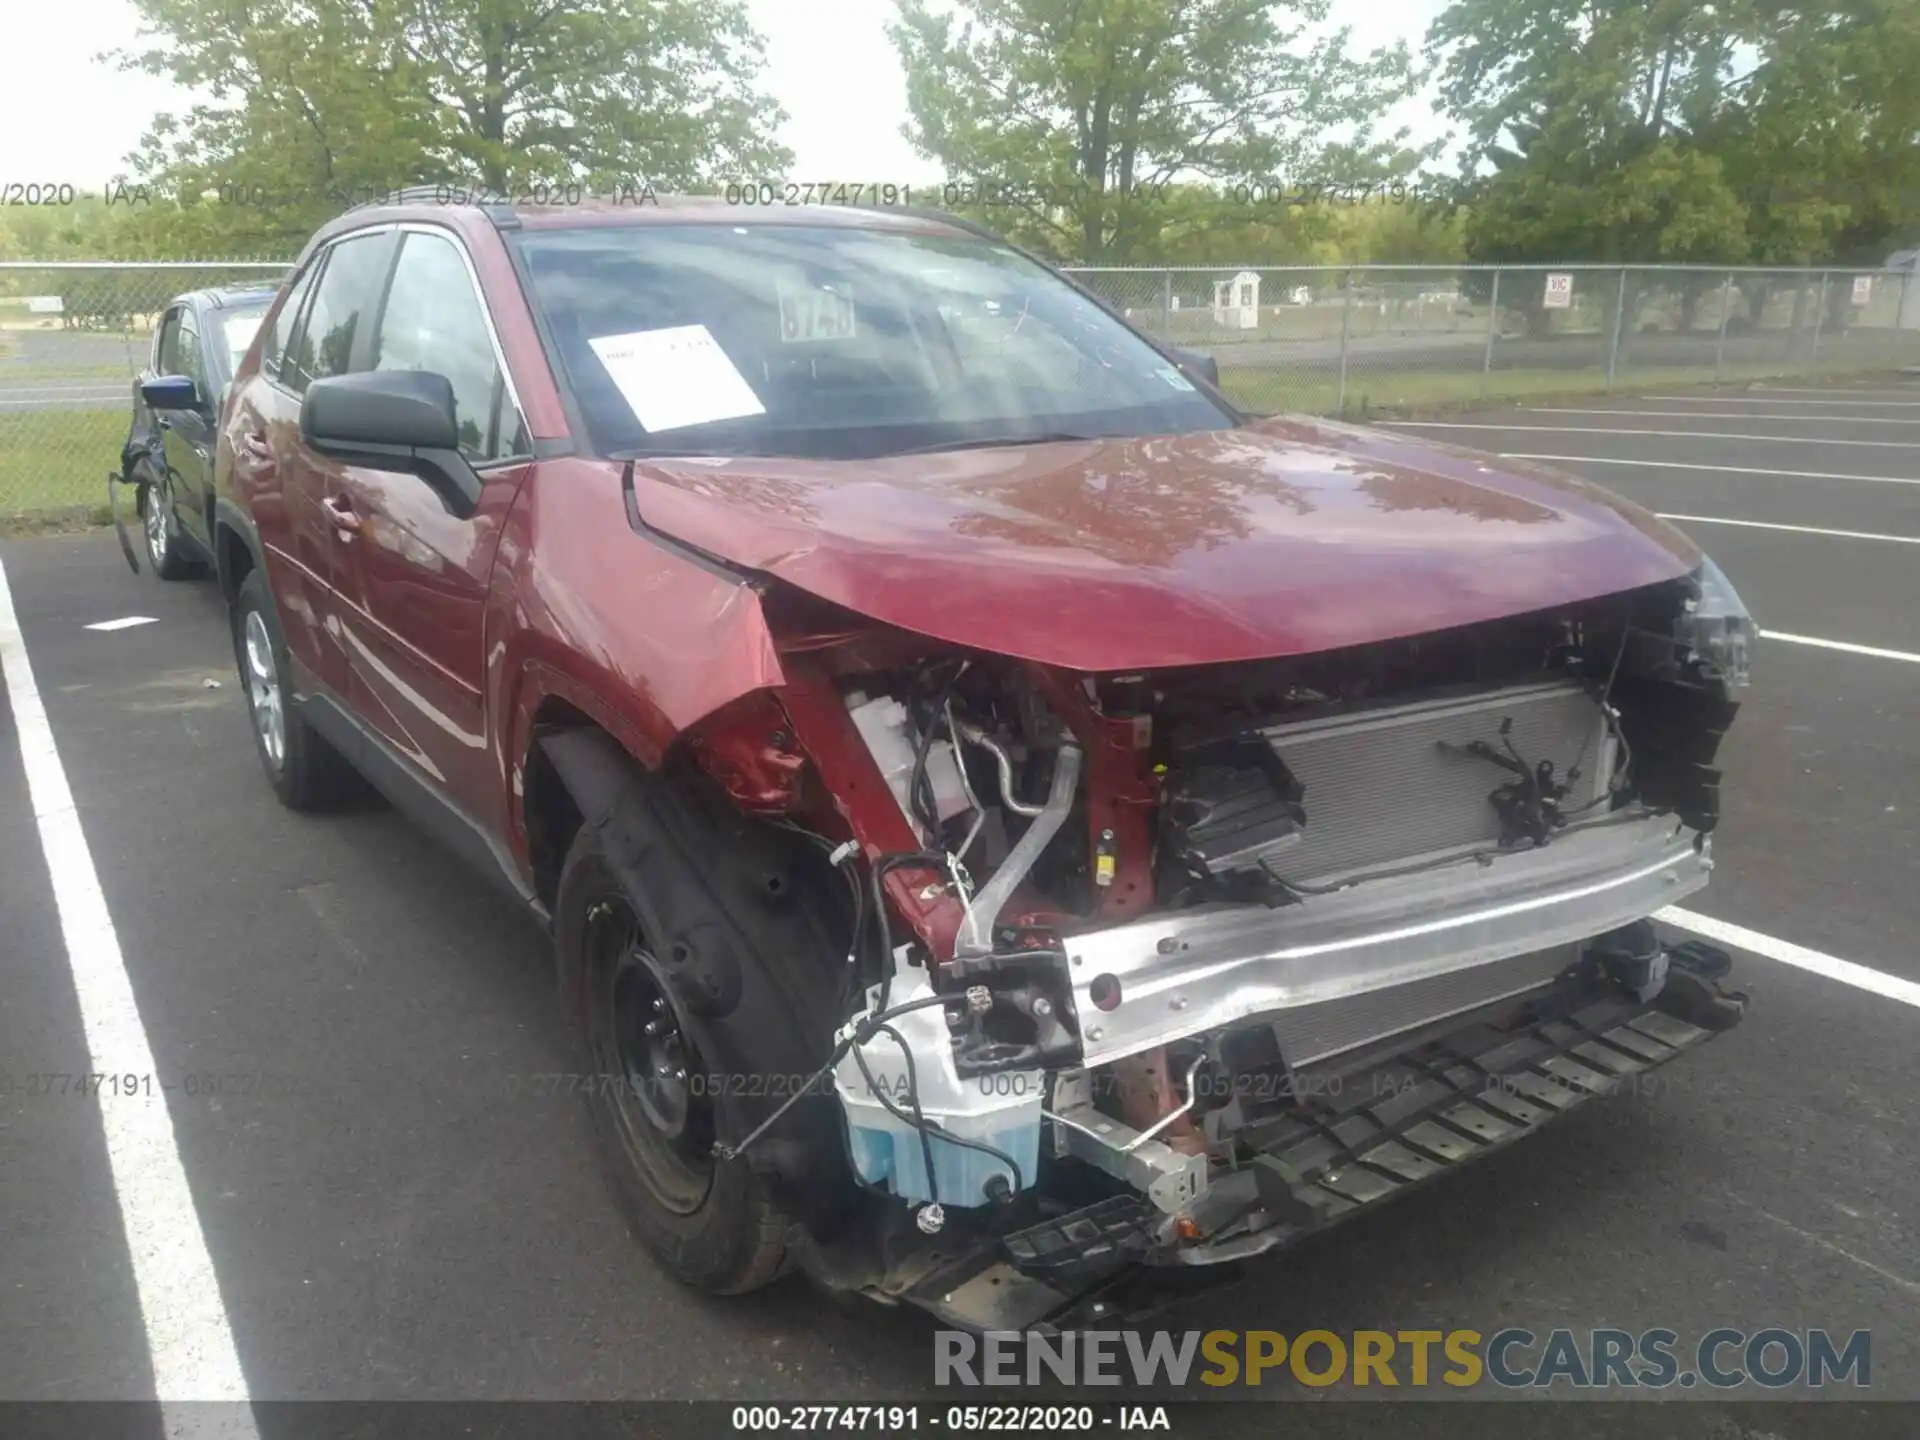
166 551
729 937
304 770
653 1109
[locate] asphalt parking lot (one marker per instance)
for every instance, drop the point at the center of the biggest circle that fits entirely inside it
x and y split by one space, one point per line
341 1012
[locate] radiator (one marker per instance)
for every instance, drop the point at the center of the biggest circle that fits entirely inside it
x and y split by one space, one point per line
1380 790
1307 1033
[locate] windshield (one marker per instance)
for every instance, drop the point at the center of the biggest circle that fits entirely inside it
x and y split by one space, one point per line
832 343
237 329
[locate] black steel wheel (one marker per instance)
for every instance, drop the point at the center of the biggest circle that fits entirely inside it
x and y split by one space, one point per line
654 1108
660 1106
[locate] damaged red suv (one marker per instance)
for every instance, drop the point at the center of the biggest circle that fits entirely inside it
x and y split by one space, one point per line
1012 827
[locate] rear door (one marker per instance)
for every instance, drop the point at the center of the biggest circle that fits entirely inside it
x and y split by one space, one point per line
287 485
418 569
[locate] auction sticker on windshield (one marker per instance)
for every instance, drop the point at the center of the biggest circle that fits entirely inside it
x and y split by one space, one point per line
676 377
815 312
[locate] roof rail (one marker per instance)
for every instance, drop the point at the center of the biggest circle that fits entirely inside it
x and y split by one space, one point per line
406 194
217 294
945 217
447 192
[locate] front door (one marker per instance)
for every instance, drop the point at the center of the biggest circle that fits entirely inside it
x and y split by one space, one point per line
186 436
294 489
415 592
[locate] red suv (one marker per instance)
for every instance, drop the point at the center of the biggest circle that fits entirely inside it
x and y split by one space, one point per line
1005 818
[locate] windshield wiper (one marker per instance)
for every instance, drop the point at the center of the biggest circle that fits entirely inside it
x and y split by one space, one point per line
1001 442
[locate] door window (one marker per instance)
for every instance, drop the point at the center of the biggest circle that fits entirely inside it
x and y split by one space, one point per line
433 321
166 348
283 322
189 362
348 289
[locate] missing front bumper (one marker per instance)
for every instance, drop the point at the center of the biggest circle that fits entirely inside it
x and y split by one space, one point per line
1383 1129
1193 972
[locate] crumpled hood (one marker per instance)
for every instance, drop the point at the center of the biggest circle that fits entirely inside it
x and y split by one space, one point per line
1284 537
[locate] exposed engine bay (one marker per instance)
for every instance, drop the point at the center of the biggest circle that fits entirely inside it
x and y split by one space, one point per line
1109 931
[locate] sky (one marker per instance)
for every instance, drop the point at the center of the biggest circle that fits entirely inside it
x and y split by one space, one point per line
68 117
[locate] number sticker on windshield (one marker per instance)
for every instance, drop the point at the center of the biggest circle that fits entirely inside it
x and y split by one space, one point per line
1175 379
676 377
815 312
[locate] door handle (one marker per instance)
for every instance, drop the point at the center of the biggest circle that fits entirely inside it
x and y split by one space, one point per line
254 446
341 512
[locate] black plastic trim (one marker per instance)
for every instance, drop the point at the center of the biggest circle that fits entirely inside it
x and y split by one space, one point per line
416 796
227 515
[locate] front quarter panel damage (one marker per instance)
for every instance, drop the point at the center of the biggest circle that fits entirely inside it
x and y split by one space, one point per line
639 638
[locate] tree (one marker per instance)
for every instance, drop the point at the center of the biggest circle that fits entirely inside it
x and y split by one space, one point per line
1071 115
1581 118
1210 227
1825 143
317 104
1776 132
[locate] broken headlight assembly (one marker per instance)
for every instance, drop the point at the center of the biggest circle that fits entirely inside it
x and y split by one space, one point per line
1716 627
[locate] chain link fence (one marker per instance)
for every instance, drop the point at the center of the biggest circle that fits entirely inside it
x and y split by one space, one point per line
73 338
1343 340
1377 339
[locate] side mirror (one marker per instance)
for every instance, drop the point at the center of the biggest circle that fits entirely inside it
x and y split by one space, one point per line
377 409
170 392
392 420
1199 362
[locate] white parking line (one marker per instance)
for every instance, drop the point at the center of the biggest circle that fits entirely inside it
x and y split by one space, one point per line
1847 645
1891 987
1718 415
1763 400
1759 525
125 622
98 398
189 1339
78 387
1836 390
1664 434
1716 469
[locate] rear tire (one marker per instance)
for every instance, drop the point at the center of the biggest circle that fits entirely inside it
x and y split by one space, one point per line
305 771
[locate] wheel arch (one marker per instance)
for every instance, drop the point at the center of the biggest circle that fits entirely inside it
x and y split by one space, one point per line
236 548
751 923
570 758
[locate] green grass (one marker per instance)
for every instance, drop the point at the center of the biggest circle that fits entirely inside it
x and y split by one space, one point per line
1267 389
54 464
1311 323
105 370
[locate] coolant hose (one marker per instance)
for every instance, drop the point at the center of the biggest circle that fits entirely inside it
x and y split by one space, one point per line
976 932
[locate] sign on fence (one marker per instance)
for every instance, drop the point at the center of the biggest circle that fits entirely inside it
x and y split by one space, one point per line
1862 289
44 305
1559 292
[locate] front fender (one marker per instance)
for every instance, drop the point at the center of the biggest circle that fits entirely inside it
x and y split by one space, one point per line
632 634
